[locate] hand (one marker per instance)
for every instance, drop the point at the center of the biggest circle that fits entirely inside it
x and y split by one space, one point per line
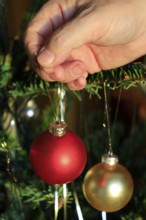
67 39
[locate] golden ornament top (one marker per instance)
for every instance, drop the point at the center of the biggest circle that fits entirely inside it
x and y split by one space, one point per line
58 128
109 159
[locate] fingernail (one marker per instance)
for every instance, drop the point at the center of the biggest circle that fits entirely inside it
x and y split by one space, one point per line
45 57
78 69
80 83
85 75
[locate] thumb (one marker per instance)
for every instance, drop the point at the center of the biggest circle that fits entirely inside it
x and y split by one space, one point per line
72 35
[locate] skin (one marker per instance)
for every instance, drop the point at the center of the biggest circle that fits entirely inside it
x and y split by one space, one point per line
69 39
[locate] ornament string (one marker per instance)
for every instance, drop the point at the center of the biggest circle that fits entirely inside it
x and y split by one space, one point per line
106 100
65 200
60 117
56 204
116 113
61 106
78 208
103 214
54 112
110 150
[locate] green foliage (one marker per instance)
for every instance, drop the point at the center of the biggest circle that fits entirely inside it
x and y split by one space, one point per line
35 196
123 77
131 216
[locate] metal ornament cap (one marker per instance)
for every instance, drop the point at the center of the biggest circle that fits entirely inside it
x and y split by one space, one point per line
110 159
58 128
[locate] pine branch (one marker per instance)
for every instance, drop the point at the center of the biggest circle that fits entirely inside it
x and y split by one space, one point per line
34 196
126 77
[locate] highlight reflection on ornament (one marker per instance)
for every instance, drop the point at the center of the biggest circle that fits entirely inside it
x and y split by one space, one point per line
31 109
108 186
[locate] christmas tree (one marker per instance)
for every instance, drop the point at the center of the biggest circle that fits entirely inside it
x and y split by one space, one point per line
28 105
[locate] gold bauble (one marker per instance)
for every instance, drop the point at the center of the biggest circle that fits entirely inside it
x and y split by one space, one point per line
108 187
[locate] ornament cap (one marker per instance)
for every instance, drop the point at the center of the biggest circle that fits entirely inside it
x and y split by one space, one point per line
58 128
109 159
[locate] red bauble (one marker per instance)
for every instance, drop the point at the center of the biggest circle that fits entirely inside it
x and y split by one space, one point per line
58 160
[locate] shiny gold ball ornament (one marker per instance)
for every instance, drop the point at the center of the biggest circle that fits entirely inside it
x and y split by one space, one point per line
108 186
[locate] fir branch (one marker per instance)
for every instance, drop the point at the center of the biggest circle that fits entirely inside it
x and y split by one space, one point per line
18 89
35 196
5 70
132 72
126 77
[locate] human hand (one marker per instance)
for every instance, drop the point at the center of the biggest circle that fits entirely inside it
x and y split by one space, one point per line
67 39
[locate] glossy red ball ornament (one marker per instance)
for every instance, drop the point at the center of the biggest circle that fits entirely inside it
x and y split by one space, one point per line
59 157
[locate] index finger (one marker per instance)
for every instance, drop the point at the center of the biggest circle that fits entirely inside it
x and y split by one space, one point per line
50 17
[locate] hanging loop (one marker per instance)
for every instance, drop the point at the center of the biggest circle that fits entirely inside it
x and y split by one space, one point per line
61 106
106 101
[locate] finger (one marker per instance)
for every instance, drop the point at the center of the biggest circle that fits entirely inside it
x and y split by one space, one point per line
87 56
48 19
78 84
35 34
70 71
65 72
45 73
72 35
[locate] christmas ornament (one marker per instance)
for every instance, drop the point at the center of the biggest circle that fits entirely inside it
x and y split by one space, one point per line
58 156
30 109
108 186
